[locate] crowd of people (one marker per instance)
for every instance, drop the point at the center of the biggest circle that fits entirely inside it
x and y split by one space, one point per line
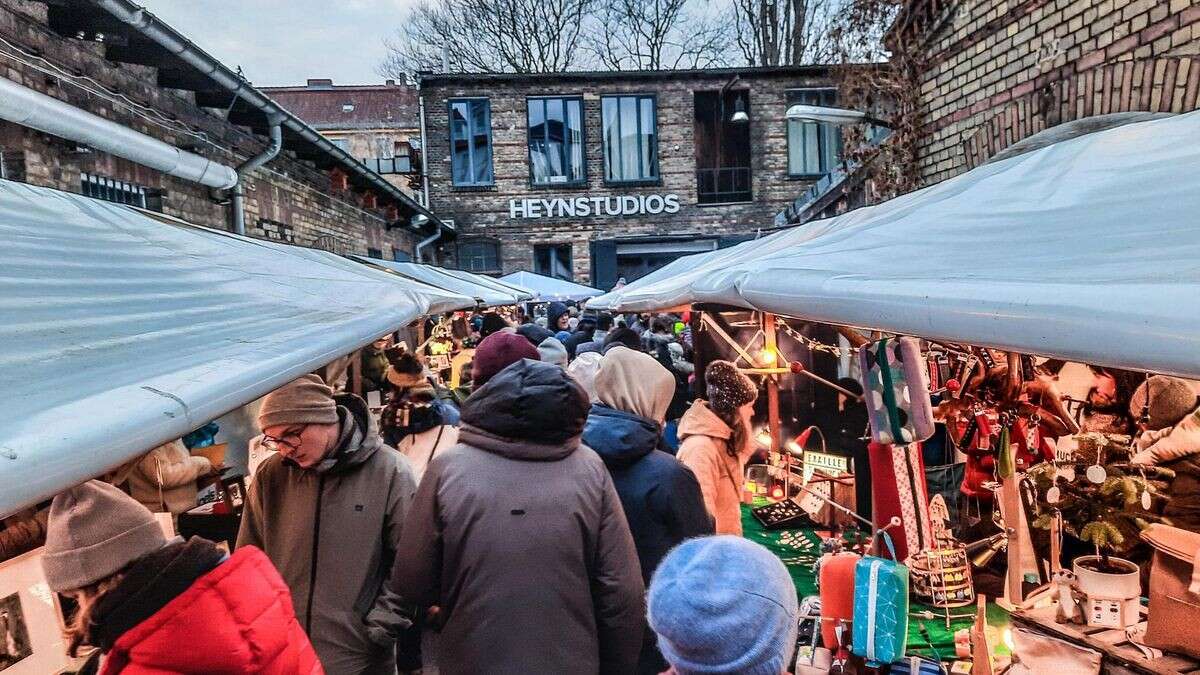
571 505
547 524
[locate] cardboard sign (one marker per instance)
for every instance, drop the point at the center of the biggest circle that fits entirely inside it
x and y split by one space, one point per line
831 464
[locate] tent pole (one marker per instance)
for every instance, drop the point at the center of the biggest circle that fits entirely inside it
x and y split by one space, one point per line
770 347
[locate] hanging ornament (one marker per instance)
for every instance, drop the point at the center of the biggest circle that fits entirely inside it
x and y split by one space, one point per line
1066 473
1096 473
1053 495
1146 500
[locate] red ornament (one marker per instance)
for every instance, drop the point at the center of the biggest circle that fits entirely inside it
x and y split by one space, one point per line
952 385
796 367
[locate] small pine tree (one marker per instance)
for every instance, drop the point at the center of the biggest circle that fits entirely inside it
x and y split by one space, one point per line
1109 514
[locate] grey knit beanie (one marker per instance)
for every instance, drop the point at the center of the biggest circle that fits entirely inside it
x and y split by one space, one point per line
94 530
728 387
1171 399
305 400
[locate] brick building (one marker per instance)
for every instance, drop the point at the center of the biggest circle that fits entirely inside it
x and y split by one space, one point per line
596 176
312 193
993 73
379 124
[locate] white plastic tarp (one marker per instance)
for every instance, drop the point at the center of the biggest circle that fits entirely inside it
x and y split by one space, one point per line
1087 250
485 294
522 295
119 331
550 288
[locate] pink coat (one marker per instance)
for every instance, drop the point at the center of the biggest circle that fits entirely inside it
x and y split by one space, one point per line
704 439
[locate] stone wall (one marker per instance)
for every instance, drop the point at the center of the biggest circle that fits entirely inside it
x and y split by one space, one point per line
997 71
484 212
295 199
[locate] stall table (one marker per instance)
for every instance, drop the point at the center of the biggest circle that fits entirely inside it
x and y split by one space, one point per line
1119 655
940 644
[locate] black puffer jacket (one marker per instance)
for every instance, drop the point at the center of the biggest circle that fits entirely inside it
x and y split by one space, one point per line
517 533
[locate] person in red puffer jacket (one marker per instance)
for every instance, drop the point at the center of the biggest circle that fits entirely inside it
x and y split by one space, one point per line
153 606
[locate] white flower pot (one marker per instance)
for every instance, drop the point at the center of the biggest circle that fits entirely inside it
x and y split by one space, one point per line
1112 598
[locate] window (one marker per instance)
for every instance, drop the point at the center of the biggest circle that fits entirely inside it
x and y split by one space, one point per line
553 260
813 147
555 128
375 253
400 256
479 256
722 139
343 143
112 190
630 138
471 141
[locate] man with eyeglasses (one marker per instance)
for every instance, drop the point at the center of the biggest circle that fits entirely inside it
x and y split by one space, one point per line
327 509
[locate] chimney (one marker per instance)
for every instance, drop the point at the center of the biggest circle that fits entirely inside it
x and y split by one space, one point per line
390 83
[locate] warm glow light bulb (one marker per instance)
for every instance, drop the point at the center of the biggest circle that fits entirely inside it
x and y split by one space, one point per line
763 437
768 356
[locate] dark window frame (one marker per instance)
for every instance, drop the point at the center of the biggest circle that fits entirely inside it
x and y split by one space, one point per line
491 144
827 133
117 191
570 262
582 180
478 241
656 165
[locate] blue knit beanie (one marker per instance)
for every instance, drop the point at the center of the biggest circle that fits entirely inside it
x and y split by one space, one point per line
723 605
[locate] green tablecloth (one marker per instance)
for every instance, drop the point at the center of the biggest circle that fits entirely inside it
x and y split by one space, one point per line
799 559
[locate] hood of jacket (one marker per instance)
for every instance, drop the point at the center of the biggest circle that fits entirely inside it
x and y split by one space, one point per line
530 411
700 421
1170 444
235 617
553 311
620 438
358 436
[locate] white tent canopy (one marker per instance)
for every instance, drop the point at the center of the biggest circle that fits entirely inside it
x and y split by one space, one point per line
120 331
1088 250
485 294
521 294
550 288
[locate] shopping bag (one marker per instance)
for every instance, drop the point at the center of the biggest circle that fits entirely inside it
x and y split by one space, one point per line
880 608
896 391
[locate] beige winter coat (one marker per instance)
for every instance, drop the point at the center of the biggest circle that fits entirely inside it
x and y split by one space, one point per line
165 478
420 448
703 441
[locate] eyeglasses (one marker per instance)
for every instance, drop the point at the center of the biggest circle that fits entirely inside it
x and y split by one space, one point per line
289 441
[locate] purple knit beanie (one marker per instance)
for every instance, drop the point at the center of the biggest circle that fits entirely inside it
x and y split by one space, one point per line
497 352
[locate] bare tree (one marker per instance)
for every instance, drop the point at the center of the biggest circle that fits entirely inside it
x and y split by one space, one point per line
783 32
519 36
658 35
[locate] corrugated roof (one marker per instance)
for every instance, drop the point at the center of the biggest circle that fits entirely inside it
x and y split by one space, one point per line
324 107
119 331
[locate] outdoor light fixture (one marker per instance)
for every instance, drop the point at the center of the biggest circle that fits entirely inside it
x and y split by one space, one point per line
418 221
767 357
739 115
838 116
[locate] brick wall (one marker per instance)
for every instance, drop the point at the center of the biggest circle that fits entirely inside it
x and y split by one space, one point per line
484 212
1000 70
287 192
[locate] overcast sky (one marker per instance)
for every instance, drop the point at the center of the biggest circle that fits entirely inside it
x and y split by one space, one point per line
288 41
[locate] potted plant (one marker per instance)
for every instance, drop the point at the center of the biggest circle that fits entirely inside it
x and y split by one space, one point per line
1106 506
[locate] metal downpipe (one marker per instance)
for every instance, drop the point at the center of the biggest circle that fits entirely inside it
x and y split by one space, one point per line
237 202
419 251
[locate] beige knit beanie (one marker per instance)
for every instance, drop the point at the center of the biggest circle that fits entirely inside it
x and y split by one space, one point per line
1171 400
305 400
94 530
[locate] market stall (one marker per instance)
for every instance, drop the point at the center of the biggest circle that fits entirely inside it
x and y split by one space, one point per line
1084 251
486 294
550 288
122 331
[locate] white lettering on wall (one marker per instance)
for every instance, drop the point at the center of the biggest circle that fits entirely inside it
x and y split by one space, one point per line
583 207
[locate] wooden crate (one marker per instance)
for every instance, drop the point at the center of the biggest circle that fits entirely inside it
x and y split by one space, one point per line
1120 656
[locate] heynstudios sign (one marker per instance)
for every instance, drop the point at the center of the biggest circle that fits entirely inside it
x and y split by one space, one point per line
582 207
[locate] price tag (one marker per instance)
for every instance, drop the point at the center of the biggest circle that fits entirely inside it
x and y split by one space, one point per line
811 503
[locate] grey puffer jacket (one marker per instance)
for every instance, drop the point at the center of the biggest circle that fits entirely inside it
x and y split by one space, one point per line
517 533
333 533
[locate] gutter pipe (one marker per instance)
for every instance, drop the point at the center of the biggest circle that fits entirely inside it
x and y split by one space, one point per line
419 251
237 202
27 107
154 29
